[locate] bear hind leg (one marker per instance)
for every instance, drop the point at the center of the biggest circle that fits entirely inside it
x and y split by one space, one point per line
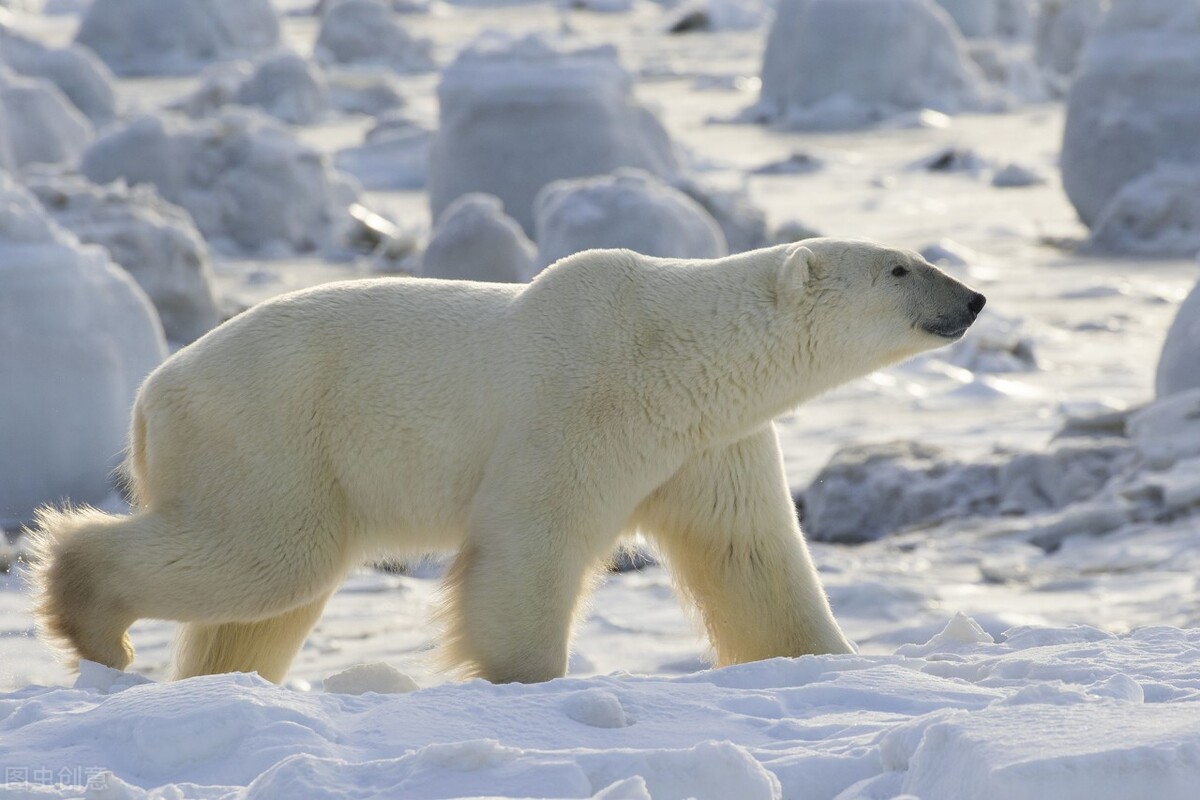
267 646
508 608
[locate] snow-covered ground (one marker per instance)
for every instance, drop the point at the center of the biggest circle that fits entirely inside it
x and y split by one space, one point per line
1089 688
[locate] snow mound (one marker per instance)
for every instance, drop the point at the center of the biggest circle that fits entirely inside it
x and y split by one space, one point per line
173 37
743 223
1062 712
1156 213
975 18
154 241
369 93
363 678
284 85
847 63
39 123
248 183
1063 29
1005 19
366 32
1135 103
77 338
476 241
517 114
75 70
394 155
1179 364
1013 175
630 209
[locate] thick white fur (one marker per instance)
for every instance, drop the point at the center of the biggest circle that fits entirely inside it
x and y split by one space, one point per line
528 428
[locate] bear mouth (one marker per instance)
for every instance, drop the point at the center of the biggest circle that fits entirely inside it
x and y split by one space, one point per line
946 330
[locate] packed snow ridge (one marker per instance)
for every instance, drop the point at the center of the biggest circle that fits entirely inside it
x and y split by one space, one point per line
1116 471
75 70
38 124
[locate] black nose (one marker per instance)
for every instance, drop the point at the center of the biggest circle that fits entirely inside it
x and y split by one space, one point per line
976 304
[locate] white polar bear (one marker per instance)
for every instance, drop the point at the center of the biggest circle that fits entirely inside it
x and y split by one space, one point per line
526 427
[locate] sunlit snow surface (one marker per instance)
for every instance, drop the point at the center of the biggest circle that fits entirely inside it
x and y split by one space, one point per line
1051 709
1049 712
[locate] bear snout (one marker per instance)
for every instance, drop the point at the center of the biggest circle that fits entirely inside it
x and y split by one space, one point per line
976 304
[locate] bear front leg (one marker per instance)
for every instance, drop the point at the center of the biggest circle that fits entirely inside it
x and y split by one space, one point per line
727 527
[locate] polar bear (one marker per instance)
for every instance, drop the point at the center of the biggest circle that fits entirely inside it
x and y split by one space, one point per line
527 427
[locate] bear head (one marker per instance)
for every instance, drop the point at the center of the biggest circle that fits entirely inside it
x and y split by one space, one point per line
873 305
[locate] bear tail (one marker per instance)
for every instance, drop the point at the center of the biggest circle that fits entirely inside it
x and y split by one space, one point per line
73 557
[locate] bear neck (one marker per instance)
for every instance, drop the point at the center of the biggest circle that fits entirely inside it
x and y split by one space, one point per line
734 357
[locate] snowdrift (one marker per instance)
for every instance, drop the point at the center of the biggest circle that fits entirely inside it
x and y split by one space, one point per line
77 338
1156 213
517 114
1179 364
629 209
149 238
248 183
847 63
476 241
1066 712
172 37
75 70
1135 105
39 124
366 32
284 85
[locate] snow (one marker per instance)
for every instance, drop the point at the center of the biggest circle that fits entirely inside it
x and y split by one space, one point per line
366 32
476 240
364 93
284 85
1063 29
518 113
363 678
77 338
1156 213
171 37
845 63
39 124
1135 102
630 209
149 238
250 185
75 70
1063 712
974 18
1179 363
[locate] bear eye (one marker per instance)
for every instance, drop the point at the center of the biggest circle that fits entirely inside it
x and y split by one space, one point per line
899 272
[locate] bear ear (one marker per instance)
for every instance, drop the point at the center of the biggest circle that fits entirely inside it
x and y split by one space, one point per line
792 276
